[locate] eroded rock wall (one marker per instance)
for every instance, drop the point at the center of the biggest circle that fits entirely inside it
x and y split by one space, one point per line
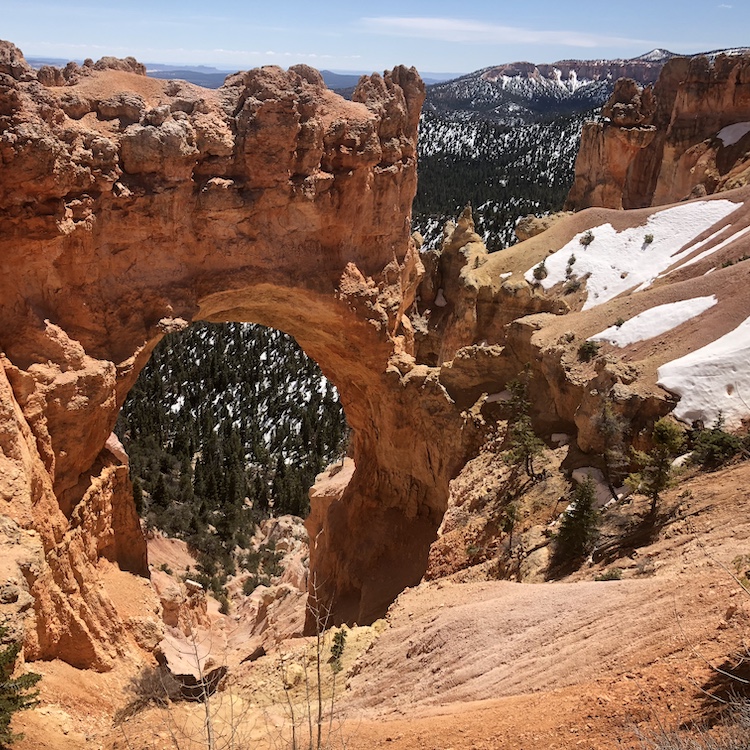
130 207
659 145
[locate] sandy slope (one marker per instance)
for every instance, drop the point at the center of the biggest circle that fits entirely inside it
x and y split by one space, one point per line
493 664
576 664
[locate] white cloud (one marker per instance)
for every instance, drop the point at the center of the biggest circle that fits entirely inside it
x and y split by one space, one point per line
180 55
467 30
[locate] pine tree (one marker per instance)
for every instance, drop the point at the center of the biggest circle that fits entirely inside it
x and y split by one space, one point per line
578 527
524 444
16 693
656 465
612 428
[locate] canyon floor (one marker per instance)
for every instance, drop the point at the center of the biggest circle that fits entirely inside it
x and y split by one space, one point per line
466 662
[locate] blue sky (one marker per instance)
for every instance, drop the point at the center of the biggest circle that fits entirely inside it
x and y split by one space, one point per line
434 36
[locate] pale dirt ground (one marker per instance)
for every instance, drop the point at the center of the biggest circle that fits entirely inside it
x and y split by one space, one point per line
487 664
172 553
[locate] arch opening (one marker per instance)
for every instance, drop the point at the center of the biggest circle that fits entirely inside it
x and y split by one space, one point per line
226 426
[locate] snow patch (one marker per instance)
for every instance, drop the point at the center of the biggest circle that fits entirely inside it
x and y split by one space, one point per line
715 248
733 133
696 246
615 261
655 321
711 380
177 405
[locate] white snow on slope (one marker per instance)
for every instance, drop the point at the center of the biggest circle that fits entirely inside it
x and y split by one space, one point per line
713 379
655 321
690 249
715 248
733 133
618 261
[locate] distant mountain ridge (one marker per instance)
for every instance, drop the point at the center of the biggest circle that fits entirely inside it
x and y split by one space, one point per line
519 92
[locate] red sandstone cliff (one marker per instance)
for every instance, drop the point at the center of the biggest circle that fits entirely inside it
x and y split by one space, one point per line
130 206
660 145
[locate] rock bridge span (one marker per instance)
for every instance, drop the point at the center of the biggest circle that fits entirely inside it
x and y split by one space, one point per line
130 207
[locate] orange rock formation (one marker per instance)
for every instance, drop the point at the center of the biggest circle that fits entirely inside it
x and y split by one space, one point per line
132 206
660 145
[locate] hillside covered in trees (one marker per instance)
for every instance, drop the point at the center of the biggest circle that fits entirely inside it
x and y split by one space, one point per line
226 425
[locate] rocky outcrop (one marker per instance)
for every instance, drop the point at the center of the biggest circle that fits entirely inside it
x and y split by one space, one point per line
459 304
131 206
661 145
530 226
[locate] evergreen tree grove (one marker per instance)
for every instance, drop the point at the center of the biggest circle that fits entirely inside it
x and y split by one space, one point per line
226 425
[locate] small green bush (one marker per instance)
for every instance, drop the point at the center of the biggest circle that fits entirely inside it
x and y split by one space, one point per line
620 322
572 286
613 574
253 582
587 238
648 239
540 271
337 650
588 350
223 600
714 447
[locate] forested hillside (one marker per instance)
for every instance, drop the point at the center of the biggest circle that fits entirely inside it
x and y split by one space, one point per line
503 171
226 425
504 139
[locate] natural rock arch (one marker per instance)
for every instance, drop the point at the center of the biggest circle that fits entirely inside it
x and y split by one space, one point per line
132 206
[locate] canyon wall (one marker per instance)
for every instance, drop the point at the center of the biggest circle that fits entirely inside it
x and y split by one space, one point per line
661 144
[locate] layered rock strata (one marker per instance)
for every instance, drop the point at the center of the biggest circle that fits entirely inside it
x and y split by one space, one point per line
664 144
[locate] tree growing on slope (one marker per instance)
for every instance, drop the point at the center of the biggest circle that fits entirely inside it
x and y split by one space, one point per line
655 475
578 529
612 428
524 445
16 693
